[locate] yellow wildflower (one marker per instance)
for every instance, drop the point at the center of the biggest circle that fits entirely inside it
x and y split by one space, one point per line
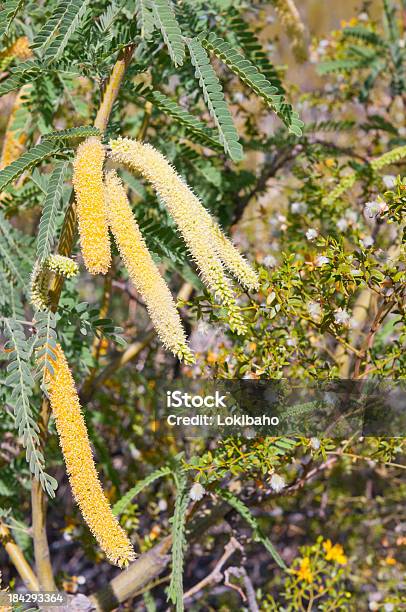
193 220
143 271
20 49
80 466
304 572
389 560
91 205
334 553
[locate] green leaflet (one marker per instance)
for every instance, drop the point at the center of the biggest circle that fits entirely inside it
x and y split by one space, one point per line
47 225
28 160
166 21
214 98
45 344
145 18
52 39
245 513
250 75
7 15
376 164
24 73
83 131
175 589
20 379
126 500
195 128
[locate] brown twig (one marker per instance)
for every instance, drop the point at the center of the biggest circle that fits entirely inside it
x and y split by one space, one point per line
216 574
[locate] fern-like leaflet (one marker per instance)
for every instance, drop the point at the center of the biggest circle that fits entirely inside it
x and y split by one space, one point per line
8 13
52 39
175 589
28 160
126 500
214 98
145 18
245 513
47 225
21 381
166 21
45 345
249 74
83 131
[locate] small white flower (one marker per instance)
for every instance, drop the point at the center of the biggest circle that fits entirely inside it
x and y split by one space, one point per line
197 491
311 234
371 209
375 208
269 261
277 483
352 216
298 208
81 580
341 316
291 342
342 224
315 443
367 242
162 505
314 309
356 272
401 43
389 607
239 96
321 261
363 17
389 180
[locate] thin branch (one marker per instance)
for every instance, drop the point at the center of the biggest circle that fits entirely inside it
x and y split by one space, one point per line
215 575
17 558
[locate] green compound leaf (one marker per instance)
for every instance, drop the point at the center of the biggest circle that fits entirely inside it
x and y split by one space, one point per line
28 160
83 131
249 74
126 500
245 513
166 21
214 98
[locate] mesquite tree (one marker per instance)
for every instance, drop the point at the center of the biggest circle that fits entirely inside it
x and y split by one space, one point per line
142 144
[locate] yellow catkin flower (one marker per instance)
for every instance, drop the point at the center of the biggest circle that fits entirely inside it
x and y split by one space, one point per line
191 217
295 29
80 466
91 205
143 271
232 259
20 49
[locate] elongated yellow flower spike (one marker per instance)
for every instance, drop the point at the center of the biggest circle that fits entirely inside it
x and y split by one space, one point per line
143 271
80 466
192 219
91 206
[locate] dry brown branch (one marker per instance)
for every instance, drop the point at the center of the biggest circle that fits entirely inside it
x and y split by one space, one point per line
216 574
